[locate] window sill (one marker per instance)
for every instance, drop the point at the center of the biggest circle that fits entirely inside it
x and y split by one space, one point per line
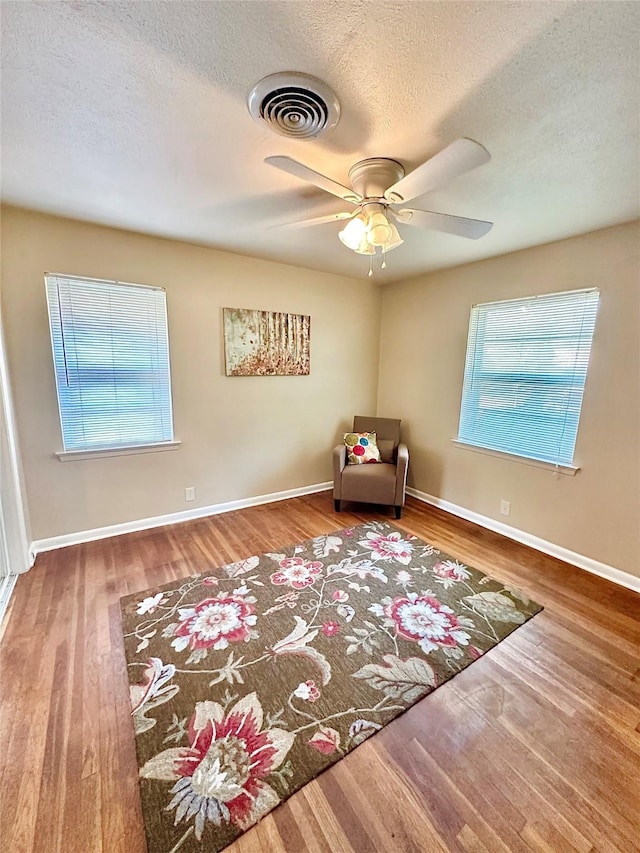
569 470
75 455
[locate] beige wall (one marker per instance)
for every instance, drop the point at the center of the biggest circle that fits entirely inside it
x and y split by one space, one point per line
250 436
422 350
241 436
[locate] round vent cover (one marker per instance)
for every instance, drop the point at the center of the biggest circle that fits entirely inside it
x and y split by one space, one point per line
294 105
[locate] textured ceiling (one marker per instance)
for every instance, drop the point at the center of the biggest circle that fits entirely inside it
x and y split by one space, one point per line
134 115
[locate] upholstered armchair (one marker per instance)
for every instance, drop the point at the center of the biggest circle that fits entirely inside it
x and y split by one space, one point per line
381 483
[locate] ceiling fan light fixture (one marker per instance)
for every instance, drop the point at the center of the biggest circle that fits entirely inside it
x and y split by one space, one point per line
378 184
379 230
365 247
394 240
367 232
354 232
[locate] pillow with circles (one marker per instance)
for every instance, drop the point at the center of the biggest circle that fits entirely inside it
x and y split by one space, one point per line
361 447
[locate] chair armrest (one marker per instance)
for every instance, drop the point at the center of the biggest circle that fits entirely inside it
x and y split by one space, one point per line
402 466
339 462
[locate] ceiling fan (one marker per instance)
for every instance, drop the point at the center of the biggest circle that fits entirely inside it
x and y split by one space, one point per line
380 189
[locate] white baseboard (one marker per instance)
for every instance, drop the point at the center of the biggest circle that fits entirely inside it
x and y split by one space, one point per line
587 563
590 565
67 539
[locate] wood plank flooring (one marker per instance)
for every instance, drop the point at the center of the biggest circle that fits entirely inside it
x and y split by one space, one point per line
534 747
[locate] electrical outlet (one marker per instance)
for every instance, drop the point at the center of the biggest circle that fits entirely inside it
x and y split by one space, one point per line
505 507
190 493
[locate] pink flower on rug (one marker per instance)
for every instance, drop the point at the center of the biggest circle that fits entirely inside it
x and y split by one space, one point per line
450 571
474 652
220 777
214 623
391 547
297 573
307 690
427 622
340 595
330 629
326 740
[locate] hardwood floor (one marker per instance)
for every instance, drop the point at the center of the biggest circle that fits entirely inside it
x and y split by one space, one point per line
534 747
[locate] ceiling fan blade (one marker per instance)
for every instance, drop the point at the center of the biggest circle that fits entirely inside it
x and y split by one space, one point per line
461 156
459 225
317 220
287 164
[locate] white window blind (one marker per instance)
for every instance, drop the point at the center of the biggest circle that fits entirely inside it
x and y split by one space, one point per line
525 374
111 357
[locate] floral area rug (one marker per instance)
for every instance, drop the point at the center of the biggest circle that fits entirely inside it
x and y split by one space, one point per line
248 682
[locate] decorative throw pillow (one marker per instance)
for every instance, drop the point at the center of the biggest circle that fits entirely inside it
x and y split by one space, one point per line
361 447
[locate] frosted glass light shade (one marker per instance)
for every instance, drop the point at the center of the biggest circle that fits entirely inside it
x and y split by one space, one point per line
367 233
354 232
394 241
365 247
379 230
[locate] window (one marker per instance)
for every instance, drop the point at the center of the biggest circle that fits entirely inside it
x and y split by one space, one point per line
525 373
111 357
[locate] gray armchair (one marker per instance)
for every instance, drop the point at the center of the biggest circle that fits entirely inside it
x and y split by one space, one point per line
382 483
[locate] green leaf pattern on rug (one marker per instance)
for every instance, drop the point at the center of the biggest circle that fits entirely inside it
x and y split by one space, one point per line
360 730
399 679
495 606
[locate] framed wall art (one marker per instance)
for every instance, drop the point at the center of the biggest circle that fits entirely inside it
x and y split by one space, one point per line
266 343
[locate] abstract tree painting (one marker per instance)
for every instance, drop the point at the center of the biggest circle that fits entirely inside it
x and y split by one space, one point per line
266 343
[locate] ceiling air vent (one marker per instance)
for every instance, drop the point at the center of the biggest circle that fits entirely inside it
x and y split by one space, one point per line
294 105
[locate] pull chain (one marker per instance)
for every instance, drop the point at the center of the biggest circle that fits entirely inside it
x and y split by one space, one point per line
370 265
384 261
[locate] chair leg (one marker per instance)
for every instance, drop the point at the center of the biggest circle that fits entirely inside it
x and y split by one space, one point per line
336 504
398 510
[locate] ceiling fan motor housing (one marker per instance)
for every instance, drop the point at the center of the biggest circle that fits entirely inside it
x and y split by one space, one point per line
295 105
371 178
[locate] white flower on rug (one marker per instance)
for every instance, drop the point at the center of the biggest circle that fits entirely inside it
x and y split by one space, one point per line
220 776
427 622
148 605
297 573
307 690
391 547
214 623
448 572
